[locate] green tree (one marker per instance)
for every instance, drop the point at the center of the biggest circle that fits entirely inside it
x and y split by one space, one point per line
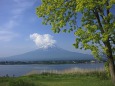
96 31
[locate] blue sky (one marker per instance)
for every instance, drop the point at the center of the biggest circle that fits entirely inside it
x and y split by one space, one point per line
18 22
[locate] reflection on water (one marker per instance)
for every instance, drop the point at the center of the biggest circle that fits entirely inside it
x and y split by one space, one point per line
19 70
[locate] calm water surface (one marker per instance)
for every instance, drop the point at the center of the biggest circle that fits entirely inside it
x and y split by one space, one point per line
19 70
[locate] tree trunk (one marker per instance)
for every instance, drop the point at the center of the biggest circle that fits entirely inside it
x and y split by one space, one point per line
112 69
111 61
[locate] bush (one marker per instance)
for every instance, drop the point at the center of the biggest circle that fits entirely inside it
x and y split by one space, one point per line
20 82
4 79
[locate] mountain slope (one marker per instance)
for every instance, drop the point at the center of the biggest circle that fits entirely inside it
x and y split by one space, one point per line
53 53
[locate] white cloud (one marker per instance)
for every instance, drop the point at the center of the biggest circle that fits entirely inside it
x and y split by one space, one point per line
9 25
22 6
6 29
24 3
7 35
18 8
43 41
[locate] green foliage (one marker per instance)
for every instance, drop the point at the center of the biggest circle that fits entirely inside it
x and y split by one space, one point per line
97 22
86 79
20 82
107 69
54 12
4 79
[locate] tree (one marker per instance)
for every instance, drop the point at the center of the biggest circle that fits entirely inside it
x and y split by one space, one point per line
96 31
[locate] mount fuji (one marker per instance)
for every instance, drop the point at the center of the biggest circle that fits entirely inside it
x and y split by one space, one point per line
52 53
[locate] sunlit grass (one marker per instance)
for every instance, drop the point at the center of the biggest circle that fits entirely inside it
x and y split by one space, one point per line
67 71
71 77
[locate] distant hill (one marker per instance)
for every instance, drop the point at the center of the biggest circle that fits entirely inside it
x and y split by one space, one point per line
53 53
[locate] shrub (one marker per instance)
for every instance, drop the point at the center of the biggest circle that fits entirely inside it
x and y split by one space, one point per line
20 82
4 79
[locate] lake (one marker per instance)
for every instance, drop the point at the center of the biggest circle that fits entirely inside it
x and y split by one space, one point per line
19 70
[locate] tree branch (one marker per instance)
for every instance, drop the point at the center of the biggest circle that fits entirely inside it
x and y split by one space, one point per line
113 40
98 20
102 14
108 11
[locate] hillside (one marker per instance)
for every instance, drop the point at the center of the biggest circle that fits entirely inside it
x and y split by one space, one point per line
53 53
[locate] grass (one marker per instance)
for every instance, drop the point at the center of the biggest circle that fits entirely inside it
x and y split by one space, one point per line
67 71
50 79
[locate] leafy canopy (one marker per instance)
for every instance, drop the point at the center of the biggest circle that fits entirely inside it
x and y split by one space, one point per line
97 22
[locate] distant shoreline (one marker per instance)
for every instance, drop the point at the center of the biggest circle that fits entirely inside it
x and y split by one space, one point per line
50 62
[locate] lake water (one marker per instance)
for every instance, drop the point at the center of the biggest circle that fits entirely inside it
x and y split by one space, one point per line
19 70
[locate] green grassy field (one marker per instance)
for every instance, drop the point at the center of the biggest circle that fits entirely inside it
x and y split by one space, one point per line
46 79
